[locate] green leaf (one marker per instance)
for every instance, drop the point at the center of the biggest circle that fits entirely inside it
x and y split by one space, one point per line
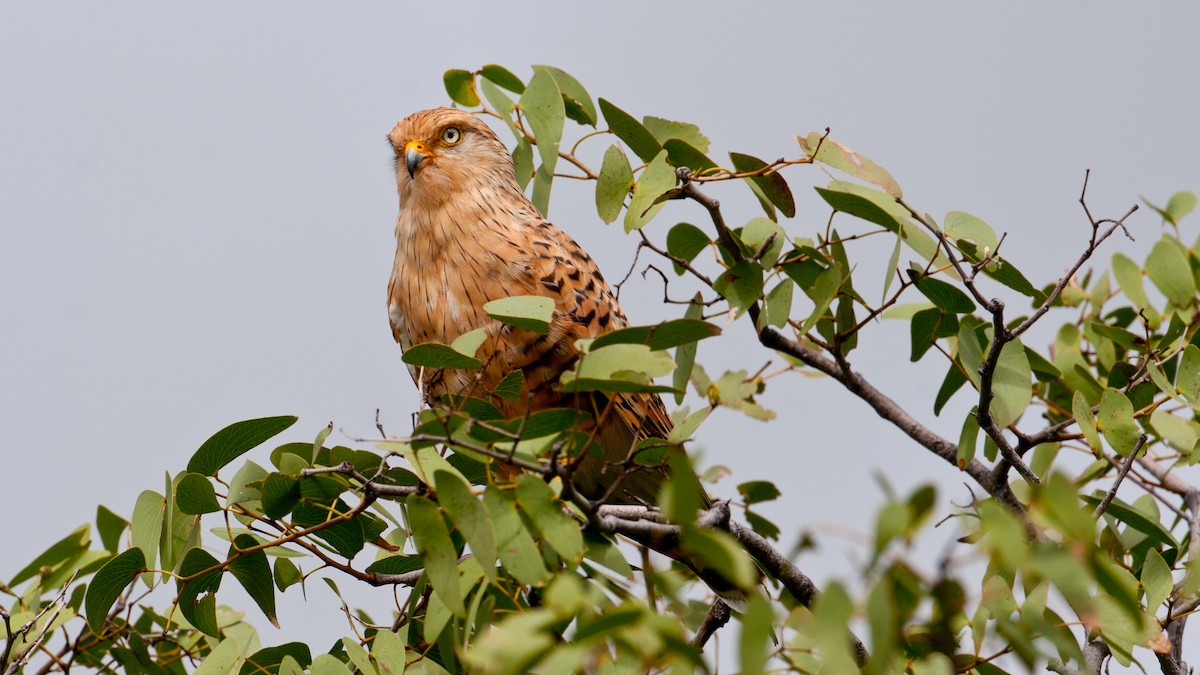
619 367
1012 384
757 634
110 526
388 652
945 296
460 85
269 659
959 225
1116 422
501 76
280 494
396 564
253 572
1167 266
878 208
510 387
659 336
741 285
1129 278
613 185
665 130
679 153
822 293
62 550
543 106
558 530
438 356
327 664
834 154
195 495
358 656
468 343
777 306
1179 205
685 354
631 131
222 659
147 526
197 596
577 102
434 545
1187 379
657 178
107 585
755 235
685 241
719 552
773 186
1134 518
531 312
758 491
1156 580
235 440
286 574
927 326
514 545
1086 421
469 517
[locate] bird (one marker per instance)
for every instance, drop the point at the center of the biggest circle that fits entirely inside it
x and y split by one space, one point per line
467 234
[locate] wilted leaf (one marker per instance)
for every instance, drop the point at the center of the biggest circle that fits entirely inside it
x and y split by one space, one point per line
832 153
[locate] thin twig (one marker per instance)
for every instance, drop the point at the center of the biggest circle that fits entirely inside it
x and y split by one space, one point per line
1125 466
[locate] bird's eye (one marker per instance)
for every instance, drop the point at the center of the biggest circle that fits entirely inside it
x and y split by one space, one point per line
451 135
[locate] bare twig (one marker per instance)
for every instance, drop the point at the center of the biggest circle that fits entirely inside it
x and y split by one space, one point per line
1125 466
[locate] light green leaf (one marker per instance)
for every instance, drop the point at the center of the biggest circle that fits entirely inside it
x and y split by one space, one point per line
1012 384
543 106
741 285
1116 422
433 543
685 354
1086 421
1181 434
777 307
222 660
619 367
613 185
514 545
460 85
959 225
327 664
838 156
968 439
577 102
438 356
665 130
1156 580
657 178
757 632
823 292
388 651
531 312
147 528
558 530
1187 381
877 207
1167 266
685 241
1129 278
469 517
64 549
1179 205
755 235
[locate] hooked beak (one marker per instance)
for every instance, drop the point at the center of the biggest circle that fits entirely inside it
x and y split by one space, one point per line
414 157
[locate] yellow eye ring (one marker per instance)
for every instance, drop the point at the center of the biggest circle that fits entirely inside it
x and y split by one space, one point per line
451 135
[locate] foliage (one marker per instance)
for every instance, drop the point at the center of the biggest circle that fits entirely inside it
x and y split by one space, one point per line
507 574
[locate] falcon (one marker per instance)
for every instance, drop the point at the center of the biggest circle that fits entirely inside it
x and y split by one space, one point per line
467 235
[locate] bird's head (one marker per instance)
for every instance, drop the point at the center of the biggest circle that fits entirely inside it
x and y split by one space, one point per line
443 151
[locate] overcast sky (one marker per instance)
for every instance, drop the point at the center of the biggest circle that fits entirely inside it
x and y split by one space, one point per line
196 208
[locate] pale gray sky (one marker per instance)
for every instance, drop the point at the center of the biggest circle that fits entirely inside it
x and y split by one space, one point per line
196 207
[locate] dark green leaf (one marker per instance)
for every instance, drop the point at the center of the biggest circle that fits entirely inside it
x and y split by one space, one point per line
501 76
286 574
396 564
757 491
773 185
927 326
762 526
945 295
660 336
439 356
509 388
268 660
197 596
253 572
107 585
953 381
195 495
110 526
433 543
631 131
234 440
679 153
460 85
280 494
685 241
1134 519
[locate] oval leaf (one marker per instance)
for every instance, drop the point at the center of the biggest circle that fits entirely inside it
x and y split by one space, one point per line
235 440
773 186
613 185
195 495
460 85
631 131
107 585
531 312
